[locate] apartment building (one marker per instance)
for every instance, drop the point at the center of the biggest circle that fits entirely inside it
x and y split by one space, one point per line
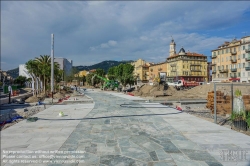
141 70
230 61
65 64
155 69
189 66
245 60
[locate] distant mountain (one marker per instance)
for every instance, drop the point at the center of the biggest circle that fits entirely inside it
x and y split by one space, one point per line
105 65
14 73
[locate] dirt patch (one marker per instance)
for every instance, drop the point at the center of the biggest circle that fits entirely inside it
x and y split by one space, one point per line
199 92
59 95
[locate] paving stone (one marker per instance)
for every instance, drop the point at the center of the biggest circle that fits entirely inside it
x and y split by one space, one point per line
198 155
210 163
114 160
169 147
162 163
162 155
110 142
153 155
135 152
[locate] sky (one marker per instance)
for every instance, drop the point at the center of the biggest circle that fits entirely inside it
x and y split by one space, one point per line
89 32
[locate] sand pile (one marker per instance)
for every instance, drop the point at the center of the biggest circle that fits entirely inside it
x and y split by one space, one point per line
32 99
149 90
59 95
199 92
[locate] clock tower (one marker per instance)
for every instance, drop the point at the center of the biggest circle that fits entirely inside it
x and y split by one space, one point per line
172 48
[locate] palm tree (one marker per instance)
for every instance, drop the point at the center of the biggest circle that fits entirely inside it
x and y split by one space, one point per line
32 68
44 66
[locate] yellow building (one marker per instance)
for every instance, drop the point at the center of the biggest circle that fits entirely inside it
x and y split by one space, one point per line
141 70
226 62
186 65
155 69
81 73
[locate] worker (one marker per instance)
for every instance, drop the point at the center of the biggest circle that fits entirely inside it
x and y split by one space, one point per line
10 92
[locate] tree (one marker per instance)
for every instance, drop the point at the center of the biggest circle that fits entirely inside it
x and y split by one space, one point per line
89 78
44 66
124 73
20 80
111 73
101 73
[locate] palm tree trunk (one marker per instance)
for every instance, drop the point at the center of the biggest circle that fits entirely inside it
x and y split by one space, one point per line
44 84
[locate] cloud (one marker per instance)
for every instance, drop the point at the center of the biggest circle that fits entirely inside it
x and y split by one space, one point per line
110 43
92 31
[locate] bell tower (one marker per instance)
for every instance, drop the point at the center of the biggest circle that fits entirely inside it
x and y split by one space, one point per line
172 47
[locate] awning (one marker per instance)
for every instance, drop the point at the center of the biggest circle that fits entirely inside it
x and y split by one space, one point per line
232 79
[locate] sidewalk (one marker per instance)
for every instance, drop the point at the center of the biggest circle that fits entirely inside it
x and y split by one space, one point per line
44 134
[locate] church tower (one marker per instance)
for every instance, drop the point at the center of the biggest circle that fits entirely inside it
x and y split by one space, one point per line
172 48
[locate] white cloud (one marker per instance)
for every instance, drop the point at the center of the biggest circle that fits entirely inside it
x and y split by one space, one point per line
92 31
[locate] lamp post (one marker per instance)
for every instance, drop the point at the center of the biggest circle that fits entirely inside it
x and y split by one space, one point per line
52 66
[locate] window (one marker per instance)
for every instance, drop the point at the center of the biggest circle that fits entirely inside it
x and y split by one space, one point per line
234 49
218 67
243 48
227 50
239 66
243 65
230 66
226 66
238 56
238 74
222 51
227 58
243 74
219 52
243 56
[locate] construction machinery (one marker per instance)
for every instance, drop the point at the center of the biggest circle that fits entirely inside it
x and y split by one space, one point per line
182 84
108 84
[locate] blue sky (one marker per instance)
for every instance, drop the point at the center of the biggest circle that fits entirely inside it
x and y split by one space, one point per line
93 31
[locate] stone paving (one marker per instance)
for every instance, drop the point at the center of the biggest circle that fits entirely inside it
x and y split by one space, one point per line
131 140
111 135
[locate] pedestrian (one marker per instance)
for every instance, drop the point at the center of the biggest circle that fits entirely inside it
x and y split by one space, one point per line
10 92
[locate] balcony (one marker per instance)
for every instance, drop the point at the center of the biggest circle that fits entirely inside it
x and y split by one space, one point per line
247 49
213 64
214 56
248 58
234 60
247 68
195 64
233 70
233 52
233 75
213 71
199 70
223 70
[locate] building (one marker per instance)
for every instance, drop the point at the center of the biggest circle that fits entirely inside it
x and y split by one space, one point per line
155 69
230 61
65 64
245 60
186 65
81 73
23 71
141 70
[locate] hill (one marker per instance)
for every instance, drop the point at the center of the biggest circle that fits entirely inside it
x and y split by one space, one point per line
105 65
14 73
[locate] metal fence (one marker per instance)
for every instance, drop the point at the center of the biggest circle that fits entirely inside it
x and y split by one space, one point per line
227 103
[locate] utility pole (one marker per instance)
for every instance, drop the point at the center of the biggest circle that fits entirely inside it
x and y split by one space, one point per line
52 66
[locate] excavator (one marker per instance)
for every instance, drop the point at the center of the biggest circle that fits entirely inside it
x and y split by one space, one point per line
108 84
